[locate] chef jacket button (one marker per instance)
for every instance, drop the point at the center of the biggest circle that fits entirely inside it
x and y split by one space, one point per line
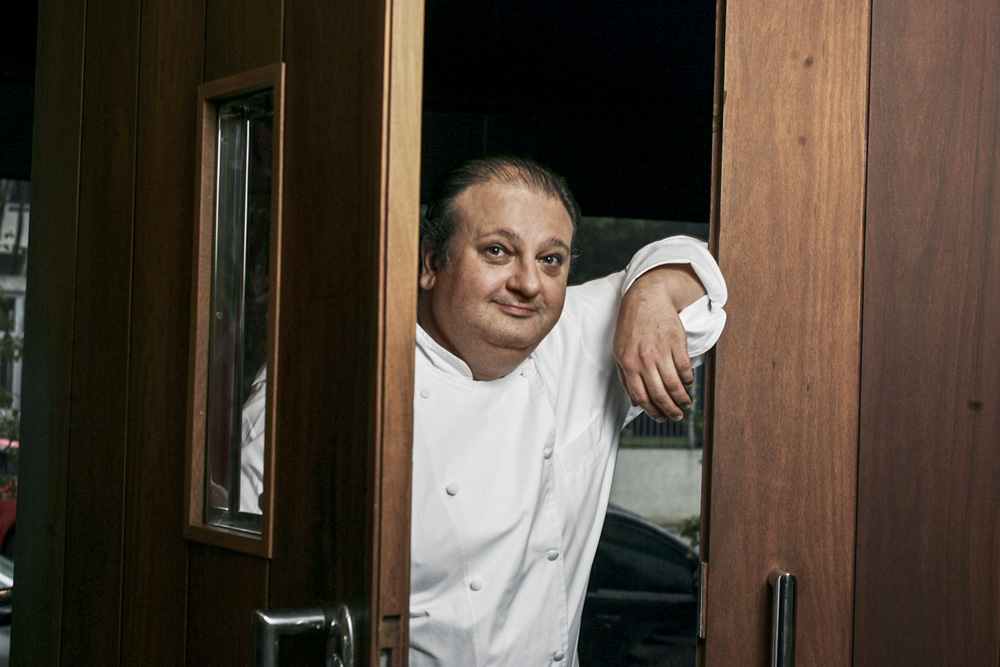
452 489
528 371
425 393
552 555
558 655
476 584
547 452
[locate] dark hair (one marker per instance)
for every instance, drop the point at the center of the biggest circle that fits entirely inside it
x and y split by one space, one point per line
438 222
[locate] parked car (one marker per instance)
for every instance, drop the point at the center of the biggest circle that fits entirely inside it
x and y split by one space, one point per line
641 608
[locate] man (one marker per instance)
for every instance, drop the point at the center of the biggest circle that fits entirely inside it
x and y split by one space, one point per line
520 397
522 388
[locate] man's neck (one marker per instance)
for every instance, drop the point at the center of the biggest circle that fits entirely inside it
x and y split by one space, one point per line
486 364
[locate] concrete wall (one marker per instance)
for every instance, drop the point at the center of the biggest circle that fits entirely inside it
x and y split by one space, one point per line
663 485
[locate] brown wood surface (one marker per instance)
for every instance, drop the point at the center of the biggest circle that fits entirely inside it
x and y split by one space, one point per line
244 36
224 585
324 526
400 231
96 481
784 454
199 325
49 313
155 561
928 557
222 594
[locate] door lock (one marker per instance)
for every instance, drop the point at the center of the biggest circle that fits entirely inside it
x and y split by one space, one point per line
336 624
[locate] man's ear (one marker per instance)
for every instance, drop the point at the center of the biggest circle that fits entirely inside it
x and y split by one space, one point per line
428 265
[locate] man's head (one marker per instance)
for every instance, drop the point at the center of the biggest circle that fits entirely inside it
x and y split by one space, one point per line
438 222
494 259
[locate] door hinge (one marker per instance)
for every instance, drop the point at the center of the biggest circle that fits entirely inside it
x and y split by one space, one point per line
702 600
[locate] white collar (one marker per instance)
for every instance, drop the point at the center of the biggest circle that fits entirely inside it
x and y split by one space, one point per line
439 357
450 364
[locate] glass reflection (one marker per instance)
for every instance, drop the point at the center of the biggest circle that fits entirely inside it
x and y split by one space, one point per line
238 343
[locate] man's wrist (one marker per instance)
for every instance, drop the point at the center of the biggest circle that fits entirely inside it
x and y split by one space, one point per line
678 282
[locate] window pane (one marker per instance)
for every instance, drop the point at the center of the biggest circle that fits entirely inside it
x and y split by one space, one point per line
238 342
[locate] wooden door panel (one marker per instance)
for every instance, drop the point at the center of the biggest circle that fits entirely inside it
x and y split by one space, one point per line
92 584
329 338
928 580
241 36
784 450
155 555
224 586
398 316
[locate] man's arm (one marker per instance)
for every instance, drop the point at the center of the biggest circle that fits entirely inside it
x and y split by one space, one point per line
670 314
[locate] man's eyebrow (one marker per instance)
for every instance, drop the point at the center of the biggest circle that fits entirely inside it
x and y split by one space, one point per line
557 243
513 237
506 233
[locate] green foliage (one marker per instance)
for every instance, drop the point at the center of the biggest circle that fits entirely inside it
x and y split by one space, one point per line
690 530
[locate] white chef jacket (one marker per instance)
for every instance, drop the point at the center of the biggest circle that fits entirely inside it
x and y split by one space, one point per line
511 477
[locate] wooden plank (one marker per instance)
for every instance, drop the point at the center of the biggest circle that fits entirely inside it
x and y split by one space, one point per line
243 36
223 596
400 236
325 409
928 557
153 625
786 393
49 313
95 498
225 586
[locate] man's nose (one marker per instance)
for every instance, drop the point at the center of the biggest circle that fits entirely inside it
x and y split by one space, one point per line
525 279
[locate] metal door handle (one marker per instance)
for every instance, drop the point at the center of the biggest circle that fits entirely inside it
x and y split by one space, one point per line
270 625
782 618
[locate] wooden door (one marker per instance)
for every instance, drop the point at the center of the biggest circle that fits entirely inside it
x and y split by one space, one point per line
106 575
928 556
789 236
862 459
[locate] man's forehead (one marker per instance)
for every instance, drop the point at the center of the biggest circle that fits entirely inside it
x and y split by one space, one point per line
501 207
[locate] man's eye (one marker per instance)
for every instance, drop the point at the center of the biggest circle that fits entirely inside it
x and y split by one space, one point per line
494 251
552 260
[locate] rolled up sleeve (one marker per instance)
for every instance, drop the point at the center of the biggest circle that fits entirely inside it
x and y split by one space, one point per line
704 319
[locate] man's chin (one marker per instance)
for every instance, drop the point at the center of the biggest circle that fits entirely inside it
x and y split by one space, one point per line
518 341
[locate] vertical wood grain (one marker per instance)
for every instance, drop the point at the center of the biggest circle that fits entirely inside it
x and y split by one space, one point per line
324 528
224 589
95 496
397 293
928 556
225 586
49 313
243 36
155 560
784 453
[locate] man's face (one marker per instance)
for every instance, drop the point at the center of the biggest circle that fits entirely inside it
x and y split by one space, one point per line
504 284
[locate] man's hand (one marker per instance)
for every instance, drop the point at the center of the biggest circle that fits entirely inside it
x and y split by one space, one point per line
650 342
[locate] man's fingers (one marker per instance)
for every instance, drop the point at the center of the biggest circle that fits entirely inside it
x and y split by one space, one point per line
635 387
657 389
666 389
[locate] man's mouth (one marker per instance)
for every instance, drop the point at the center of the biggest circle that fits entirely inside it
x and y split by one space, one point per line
516 310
